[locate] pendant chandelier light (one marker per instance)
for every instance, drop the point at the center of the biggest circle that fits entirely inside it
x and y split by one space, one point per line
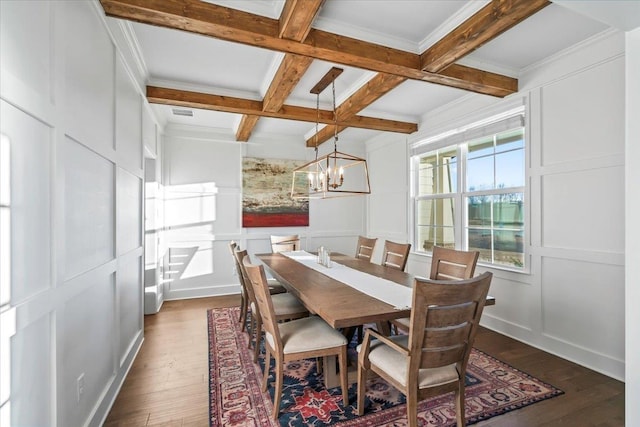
335 174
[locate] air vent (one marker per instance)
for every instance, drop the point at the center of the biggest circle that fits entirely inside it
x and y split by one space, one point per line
180 112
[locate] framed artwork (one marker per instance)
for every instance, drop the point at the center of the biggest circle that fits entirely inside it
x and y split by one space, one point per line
266 194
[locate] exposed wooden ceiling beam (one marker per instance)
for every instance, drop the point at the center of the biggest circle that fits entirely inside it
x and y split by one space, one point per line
485 25
182 98
296 18
291 69
255 30
295 22
375 88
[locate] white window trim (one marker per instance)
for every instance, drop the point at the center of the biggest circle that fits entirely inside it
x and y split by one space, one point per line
440 139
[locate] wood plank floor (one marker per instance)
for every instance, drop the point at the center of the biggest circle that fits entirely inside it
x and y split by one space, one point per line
168 382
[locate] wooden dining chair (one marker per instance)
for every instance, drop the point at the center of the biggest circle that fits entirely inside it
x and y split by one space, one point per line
365 247
286 306
285 243
294 340
446 264
432 359
275 287
244 302
395 255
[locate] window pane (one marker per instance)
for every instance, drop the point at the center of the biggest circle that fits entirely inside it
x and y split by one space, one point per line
480 240
438 212
482 147
438 172
508 211
428 237
510 140
509 248
479 211
446 178
480 174
426 175
510 169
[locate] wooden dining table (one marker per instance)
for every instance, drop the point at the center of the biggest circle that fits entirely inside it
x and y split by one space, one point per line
337 303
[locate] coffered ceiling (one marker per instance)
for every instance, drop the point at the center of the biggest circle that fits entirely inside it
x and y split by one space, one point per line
245 68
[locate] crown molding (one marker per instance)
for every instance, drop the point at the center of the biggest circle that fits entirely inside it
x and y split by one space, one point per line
570 50
192 87
360 33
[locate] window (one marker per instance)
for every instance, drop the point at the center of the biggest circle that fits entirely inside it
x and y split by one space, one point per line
470 193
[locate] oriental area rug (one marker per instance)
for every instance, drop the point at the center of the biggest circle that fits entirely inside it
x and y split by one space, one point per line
493 388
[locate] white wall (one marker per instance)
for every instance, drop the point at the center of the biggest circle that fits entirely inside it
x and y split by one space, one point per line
570 303
632 243
74 117
202 157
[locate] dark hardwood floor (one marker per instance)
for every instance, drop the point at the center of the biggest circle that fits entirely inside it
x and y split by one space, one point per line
168 382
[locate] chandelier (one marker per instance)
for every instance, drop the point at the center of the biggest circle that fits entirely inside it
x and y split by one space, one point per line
336 173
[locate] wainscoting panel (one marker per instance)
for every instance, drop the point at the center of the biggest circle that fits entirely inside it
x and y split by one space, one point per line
30 153
89 202
89 76
578 210
129 302
86 333
32 379
129 216
571 114
593 292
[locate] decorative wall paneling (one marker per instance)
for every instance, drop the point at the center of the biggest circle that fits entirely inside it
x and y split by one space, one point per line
73 113
194 157
576 166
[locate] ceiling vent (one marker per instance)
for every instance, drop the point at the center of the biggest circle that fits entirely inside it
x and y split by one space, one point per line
181 112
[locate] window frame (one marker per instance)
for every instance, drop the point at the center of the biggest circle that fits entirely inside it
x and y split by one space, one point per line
461 226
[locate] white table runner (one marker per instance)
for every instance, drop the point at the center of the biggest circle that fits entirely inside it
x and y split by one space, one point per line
385 290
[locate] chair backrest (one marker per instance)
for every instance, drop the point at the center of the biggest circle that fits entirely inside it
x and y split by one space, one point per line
365 247
232 247
444 321
258 282
448 264
239 256
285 243
395 255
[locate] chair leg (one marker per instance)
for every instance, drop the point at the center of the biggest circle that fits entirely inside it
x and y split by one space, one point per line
362 379
343 375
267 365
243 312
256 350
277 394
412 408
459 397
252 326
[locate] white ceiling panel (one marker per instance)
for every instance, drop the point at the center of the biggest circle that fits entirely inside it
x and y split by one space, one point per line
193 59
544 34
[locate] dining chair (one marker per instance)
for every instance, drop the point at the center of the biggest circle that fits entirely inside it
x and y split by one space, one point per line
244 303
285 243
446 264
395 255
286 306
432 359
275 287
294 340
365 247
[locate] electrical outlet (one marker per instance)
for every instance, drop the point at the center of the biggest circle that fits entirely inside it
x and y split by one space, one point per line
80 386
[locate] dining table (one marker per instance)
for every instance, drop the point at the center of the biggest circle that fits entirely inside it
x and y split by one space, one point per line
341 293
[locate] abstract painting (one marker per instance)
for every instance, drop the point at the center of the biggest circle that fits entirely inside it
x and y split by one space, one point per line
266 194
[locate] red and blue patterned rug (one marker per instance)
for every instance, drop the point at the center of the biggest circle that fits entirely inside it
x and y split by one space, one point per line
235 399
